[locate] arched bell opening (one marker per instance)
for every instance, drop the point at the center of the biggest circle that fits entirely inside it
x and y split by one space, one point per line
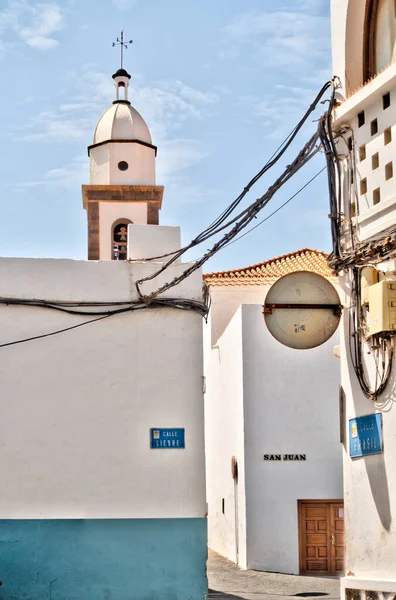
119 238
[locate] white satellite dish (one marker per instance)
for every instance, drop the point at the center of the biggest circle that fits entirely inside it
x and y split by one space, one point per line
302 310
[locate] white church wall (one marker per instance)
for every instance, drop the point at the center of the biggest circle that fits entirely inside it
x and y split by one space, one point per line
109 213
291 407
141 164
78 406
224 438
99 165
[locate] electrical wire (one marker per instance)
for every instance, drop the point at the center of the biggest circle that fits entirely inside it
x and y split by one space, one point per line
350 256
45 335
305 155
219 224
278 209
200 307
357 341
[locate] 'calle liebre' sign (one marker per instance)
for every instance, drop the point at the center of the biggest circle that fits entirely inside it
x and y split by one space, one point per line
285 457
167 438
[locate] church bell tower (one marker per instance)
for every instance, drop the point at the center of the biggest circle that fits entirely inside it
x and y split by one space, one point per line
122 187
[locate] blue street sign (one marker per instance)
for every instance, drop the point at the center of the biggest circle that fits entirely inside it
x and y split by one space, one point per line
365 435
167 438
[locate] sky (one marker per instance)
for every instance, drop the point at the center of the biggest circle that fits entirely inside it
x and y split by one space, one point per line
220 85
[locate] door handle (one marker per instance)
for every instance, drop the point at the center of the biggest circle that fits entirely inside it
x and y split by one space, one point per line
332 538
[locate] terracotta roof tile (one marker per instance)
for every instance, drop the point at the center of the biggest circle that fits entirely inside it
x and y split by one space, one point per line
269 271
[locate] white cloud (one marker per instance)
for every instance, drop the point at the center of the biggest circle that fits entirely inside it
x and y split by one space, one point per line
282 38
33 23
177 155
280 110
52 126
166 106
315 5
285 44
124 4
69 177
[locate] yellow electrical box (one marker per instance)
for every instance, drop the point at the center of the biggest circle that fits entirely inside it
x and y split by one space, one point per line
369 277
382 306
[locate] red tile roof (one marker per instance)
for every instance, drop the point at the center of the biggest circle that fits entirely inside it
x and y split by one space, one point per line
269 271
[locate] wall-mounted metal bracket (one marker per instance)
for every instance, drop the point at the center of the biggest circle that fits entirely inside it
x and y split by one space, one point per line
336 308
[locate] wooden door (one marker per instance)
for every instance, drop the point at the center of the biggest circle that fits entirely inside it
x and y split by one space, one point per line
321 537
337 537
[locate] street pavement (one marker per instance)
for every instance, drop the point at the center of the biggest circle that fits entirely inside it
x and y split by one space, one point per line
228 582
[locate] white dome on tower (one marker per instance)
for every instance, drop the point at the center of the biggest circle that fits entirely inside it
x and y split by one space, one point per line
122 152
121 122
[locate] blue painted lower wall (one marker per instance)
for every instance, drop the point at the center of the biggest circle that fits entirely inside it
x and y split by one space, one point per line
125 559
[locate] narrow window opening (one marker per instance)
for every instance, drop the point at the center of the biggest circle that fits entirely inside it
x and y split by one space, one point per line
375 161
376 196
361 119
386 101
350 143
353 209
374 127
223 506
121 91
387 136
363 186
389 171
120 241
362 152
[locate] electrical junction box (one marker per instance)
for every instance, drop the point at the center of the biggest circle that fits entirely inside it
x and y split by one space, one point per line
369 277
382 306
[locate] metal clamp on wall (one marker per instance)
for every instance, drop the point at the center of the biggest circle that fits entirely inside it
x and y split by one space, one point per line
268 308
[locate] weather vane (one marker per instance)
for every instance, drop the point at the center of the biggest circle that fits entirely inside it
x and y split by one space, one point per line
120 42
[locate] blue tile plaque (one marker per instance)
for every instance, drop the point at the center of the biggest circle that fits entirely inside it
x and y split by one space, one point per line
167 438
365 435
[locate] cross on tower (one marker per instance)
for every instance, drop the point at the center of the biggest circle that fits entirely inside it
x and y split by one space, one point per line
120 42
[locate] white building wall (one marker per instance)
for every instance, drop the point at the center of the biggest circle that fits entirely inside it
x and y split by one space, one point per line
75 422
227 299
347 32
369 481
291 407
370 484
224 438
149 241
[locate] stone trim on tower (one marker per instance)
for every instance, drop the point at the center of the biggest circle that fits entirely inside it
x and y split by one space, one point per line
93 195
93 230
123 193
